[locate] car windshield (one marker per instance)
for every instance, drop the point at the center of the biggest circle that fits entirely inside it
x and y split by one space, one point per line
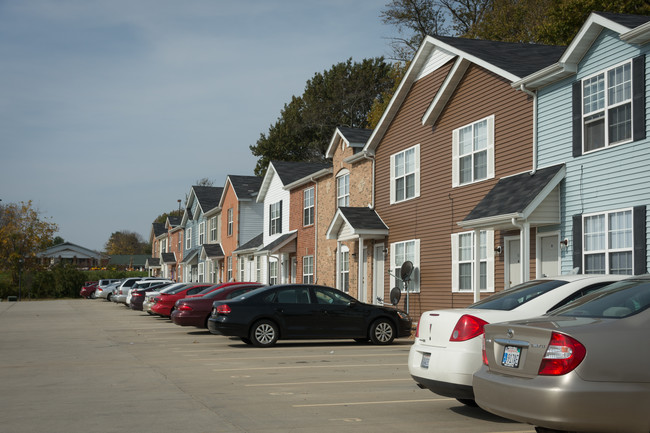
512 298
175 290
172 287
621 299
207 290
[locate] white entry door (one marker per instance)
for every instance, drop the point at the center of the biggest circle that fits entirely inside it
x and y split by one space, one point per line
549 256
513 262
378 274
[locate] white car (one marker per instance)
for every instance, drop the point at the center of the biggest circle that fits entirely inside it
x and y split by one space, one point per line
143 284
448 343
150 297
105 288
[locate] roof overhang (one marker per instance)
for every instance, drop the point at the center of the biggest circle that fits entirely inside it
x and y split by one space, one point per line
278 244
342 229
311 178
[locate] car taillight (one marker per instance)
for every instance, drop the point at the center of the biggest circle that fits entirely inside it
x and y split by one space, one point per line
223 309
184 307
483 351
468 327
562 355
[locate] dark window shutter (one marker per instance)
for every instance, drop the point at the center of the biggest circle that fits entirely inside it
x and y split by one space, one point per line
270 220
577 242
280 224
639 224
638 98
576 101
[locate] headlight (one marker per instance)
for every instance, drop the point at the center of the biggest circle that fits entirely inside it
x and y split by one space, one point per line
402 315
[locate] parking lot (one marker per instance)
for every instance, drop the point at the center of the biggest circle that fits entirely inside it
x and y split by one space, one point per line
95 366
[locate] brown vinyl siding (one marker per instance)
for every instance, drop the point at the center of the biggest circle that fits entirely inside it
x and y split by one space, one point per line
433 216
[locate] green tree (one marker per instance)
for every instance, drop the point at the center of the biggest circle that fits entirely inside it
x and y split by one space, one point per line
126 242
398 69
340 96
23 233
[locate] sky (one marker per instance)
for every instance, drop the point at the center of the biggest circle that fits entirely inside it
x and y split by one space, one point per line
111 110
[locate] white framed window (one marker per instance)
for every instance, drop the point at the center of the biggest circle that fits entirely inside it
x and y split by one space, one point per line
343 189
275 215
213 271
473 152
230 222
242 266
344 269
607 108
201 233
608 243
273 272
308 269
201 271
405 175
258 269
229 268
308 207
188 238
400 252
463 261
213 229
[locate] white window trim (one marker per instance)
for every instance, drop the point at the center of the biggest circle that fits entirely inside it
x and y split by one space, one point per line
393 189
489 259
230 216
213 229
276 227
345 173
414 284
311 206
202 233
607 251
343 250
455 146
188 238
201 272
305 260
607 107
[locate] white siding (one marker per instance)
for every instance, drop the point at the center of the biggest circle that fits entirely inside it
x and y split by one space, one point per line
436 59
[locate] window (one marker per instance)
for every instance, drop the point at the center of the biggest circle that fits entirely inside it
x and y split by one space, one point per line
344 269
258 269
343 189
180 242
607 108
405 175
242 264
188 238
308 269
473 152
400 253
213 229
273 272
229 269
230 222
463 263
308 207
213 271
275 218
608 243
201 233
201 271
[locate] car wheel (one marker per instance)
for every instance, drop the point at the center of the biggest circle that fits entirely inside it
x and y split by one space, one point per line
264 333
382 331
467 402
109 297
246 340
93 295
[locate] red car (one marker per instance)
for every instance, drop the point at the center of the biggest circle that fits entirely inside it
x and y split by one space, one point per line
88 289
165 301
217 287
195 311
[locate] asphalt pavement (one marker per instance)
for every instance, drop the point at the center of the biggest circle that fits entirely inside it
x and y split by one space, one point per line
84 366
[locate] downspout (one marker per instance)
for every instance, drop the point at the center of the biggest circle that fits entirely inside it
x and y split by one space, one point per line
534 95
315 230
372 186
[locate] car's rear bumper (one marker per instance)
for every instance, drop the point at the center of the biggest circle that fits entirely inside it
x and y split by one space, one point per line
565 402
182 318
227 329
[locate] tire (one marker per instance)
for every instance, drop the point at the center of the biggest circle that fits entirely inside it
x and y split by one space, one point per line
467 402
264 333
93 295
109 297
382 331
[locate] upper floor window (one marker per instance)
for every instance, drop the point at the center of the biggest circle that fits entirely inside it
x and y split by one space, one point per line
607 108
608 243
405 175
230 222
308 207
473 152
202 233
188 238
343 189
275 218
213 229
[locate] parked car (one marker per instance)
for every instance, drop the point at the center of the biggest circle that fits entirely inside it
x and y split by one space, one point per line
137 295
581 368
297 311
219 286
165 301
447 347
143 284
121 292
150 297
105 286
88 290
195 310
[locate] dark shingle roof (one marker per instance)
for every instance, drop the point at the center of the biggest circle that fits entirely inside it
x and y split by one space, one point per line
208 196
254 243
213 250
246 187
280 242
516 58
513 194
629 21
363 218
168 257
174 220
158 229
291 171
357 137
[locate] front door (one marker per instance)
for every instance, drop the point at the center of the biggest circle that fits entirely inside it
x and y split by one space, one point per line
549 254
378 274
513 262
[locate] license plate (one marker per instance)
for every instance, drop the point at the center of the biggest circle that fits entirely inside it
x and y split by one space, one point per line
511 355
425 360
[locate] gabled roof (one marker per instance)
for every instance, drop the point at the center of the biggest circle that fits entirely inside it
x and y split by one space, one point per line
69 250
208 196
152 262
158 229
354 222
631 28
278 243
213 251
173 222
289 172
352 137
245 188
514 197
167 258
512 61
252 245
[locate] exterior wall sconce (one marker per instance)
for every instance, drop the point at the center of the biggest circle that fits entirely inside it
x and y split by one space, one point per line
498 250
564 244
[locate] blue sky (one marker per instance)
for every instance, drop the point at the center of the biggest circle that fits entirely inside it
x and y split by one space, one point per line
110 110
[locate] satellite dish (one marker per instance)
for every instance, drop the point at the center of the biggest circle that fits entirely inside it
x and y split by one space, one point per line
406 270
395 295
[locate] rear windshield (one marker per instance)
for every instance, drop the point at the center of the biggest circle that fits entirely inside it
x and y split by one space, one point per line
621 299
512 298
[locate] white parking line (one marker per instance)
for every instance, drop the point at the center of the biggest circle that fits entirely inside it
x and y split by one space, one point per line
327 382
306 366
361 403
293 357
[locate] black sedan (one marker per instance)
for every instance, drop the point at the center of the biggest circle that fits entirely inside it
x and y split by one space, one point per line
297 311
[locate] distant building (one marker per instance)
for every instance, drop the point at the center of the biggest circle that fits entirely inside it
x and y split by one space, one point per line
67 252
